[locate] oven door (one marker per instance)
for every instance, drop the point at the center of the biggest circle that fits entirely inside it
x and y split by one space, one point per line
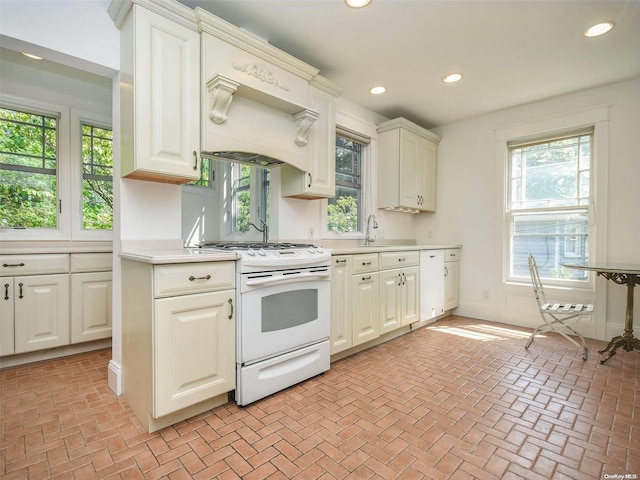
282 316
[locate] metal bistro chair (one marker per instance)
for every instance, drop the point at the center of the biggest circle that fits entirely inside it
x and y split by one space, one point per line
557 316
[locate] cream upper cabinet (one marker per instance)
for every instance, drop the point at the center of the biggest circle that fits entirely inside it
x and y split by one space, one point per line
407 158
160 95
319 181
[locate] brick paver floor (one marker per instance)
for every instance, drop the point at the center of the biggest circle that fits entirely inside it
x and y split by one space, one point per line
458 399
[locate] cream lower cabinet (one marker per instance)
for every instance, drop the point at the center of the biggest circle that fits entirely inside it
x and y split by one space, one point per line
194 334
41 312
178 339
399 290
365 291
451 278
341 309
91 295
35 302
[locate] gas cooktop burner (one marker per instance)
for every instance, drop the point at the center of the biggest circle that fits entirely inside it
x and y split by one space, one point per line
253 245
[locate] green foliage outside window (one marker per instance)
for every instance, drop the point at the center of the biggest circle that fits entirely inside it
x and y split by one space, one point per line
28 170
97 178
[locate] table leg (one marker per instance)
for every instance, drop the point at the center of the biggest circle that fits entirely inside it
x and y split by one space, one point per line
626 340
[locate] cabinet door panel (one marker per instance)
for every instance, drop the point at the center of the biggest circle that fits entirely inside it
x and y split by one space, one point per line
41 312
410 148
196 339
341 321
410 307
90 306
366 316
6 317
451 285
390 293
167 97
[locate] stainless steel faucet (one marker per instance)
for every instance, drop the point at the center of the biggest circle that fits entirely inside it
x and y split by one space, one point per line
264 230
367 237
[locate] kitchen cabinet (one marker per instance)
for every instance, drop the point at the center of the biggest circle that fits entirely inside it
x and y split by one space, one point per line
319 180
160 93
91 294
178 338
451 278
407 160
341 309
399 289
35 302
431 284
365 288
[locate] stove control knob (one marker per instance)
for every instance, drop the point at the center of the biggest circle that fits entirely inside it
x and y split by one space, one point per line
319 249
262 252
312 250
251 252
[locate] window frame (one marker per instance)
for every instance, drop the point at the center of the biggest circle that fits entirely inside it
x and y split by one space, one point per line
362 135
596 117
78 118
256 212
63 169
69 171
524 209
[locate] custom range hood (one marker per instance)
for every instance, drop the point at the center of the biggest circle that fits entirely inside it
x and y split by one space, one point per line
257 102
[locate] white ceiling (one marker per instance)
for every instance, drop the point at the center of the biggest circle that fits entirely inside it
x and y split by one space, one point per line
511 52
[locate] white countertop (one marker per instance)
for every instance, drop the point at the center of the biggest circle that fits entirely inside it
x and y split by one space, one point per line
373 248
30 246
177 255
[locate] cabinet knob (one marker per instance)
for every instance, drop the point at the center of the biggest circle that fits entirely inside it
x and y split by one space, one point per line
6 291
20 285
341 260
368 277
195 163
231 309
21 264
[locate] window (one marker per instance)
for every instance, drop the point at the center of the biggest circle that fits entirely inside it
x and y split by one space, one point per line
248 187
344 211
548 204
207 173
28 169
97 178
56 172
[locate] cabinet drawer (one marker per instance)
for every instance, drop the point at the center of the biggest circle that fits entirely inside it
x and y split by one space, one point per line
187 278
452 255
91 262
398 259
365 263
13 265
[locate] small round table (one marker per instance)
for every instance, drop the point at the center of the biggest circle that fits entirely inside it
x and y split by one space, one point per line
622 274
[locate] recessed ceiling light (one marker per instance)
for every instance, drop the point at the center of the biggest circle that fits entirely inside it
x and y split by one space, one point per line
598 29
35 57
378 90
452 78
357 3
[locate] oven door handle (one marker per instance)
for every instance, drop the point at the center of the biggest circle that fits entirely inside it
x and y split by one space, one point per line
280 279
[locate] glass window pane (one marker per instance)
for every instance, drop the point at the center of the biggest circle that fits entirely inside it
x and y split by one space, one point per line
97 173
344 211
28 170
553 238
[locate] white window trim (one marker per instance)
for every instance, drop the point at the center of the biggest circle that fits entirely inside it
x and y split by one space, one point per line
79 117
69 172
251 235
365 129
63 232
598 117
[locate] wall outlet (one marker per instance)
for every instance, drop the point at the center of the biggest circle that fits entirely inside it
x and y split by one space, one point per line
430 235
310 232
486 295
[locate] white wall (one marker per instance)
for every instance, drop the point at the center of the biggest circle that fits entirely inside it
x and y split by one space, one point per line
77 33
470 201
